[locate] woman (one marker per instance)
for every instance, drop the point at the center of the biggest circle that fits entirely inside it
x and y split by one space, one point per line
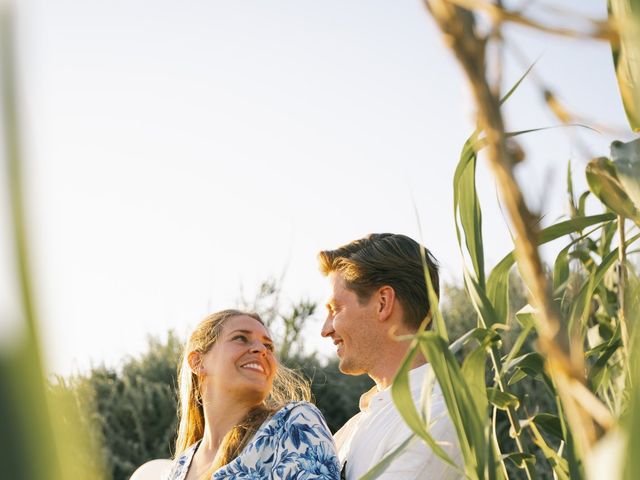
241 414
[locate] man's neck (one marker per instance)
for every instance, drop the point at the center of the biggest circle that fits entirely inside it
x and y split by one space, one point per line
386 371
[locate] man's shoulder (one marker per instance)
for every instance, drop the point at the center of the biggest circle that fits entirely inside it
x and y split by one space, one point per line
349 426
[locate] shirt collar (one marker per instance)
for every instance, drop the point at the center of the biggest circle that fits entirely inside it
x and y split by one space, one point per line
375 398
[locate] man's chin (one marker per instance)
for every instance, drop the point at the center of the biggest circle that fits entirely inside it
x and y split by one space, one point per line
348 368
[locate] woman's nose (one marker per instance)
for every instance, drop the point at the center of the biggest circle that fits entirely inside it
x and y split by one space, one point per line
258 347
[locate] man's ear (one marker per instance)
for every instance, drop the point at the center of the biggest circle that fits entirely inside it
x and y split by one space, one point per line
195 363
386 297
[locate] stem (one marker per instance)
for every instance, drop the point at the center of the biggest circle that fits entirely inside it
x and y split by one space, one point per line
511 414
497 444
622 282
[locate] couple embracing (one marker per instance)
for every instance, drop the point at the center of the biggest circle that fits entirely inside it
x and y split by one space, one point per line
244 416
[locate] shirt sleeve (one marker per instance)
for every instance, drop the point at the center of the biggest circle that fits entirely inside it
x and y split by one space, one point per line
305 448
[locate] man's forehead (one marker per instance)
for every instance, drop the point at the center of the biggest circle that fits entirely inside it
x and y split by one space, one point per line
334 285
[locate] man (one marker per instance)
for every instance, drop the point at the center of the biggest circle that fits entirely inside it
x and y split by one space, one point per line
378 292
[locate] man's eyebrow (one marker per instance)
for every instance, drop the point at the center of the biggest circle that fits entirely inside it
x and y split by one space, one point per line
249 332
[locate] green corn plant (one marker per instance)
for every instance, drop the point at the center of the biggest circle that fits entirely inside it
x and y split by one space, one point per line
585 361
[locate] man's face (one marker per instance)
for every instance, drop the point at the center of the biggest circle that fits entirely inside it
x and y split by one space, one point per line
351 326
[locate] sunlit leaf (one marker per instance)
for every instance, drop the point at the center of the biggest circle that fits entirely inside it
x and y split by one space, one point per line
605 184
626 159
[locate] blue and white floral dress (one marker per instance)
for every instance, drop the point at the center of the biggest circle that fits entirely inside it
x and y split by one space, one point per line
294 444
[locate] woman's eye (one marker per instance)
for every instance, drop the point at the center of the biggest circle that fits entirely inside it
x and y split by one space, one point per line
270 347
242 338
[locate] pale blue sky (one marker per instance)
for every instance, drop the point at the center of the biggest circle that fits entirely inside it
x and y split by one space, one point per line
177 151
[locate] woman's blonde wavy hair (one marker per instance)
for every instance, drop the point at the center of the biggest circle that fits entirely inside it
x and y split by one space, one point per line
288 386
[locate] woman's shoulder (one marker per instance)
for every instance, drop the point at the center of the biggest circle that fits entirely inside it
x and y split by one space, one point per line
180 464
153 470
300 422
298 408
304 443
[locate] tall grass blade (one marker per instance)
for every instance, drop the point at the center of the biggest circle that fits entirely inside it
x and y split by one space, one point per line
27 445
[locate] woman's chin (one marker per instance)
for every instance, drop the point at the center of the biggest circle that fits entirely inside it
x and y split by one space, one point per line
251 393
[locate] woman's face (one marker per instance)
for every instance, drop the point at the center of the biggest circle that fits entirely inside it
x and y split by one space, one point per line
241 364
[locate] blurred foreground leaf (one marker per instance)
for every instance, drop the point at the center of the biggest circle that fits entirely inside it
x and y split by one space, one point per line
626 56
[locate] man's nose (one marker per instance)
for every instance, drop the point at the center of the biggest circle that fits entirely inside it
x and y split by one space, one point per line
327 327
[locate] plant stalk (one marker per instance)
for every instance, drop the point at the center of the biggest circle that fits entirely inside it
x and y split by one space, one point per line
622 283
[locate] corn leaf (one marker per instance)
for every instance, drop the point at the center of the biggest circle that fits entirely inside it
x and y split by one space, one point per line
549 423
626 159
502 400
580 307
498 281
466 206
631 421
481 303
402 398
626 56
379 468
462 408
473 369
603 180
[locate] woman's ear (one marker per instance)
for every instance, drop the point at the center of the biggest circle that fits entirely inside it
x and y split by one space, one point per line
386 297
195 363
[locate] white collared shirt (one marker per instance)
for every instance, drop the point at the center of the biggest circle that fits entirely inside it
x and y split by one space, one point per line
379 429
